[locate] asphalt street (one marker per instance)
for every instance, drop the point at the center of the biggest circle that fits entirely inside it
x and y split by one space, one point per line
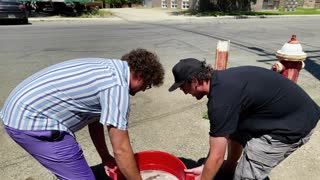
159 120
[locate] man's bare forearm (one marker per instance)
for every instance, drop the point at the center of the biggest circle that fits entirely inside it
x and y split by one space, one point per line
123 153
96 131
234 153
211 167
127 164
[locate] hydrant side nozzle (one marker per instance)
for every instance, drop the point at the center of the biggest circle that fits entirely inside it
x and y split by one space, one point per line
303 65
278 67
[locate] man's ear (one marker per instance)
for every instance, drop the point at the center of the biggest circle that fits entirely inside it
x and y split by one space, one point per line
194 80
137 77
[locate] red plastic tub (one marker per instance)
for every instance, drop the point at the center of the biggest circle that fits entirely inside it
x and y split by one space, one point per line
157 160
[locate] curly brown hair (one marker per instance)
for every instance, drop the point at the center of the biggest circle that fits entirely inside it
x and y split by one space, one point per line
146 64
204 75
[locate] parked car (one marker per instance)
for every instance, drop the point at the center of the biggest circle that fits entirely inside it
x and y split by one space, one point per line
13 10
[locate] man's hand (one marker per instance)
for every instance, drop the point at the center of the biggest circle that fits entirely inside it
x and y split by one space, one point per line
123 153
96 131
218 146
108 163
196 171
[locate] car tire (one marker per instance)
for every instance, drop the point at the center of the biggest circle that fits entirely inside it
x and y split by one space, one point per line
25 21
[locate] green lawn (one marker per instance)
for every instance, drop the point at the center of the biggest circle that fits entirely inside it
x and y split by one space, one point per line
299 11
227 13
97 14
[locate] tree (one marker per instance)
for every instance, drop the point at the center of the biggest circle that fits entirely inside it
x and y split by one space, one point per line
226 5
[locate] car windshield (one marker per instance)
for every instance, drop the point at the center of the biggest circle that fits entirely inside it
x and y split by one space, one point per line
9 0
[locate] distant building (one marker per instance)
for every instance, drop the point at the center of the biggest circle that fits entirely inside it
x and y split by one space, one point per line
276 4
311 4
265 5
259 5
174 4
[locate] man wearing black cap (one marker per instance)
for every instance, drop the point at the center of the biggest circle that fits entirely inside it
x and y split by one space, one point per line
252 110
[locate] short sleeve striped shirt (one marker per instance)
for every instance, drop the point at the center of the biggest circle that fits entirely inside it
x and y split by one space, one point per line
69 95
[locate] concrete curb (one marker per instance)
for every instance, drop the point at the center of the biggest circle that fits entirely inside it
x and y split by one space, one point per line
41 19
179 17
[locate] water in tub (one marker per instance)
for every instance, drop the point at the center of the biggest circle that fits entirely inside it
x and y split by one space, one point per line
157 175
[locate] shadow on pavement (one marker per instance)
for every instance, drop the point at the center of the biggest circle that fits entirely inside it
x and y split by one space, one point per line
99 173
220 175
312 66
41 14
192 164
175 13
13 22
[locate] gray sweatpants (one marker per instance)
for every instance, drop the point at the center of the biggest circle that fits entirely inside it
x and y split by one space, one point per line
261 155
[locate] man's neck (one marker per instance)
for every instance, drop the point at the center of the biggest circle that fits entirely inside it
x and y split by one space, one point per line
205 87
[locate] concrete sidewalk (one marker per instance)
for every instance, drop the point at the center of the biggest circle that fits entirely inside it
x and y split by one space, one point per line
128 14
151 14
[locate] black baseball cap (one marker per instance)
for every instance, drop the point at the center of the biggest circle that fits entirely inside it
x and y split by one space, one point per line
183 70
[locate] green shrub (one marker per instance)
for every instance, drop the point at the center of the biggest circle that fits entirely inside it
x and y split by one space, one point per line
205 115
96 13
116 3
120 3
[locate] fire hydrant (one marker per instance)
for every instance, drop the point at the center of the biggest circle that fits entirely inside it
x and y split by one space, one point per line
291 57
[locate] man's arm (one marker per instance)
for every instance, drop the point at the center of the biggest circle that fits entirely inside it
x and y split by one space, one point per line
234 153
218 146
123 153
96 131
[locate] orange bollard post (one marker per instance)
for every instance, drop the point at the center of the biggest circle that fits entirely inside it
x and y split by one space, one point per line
222 55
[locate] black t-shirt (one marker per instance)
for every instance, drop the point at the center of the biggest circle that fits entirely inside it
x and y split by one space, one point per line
259 101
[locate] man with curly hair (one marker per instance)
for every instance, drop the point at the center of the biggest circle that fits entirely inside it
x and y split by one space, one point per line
44 111
252 110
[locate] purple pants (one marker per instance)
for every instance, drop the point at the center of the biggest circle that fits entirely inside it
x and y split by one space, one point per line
58 151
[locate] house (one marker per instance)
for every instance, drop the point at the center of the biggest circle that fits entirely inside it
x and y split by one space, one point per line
259 5
276 4
311 4
174 4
